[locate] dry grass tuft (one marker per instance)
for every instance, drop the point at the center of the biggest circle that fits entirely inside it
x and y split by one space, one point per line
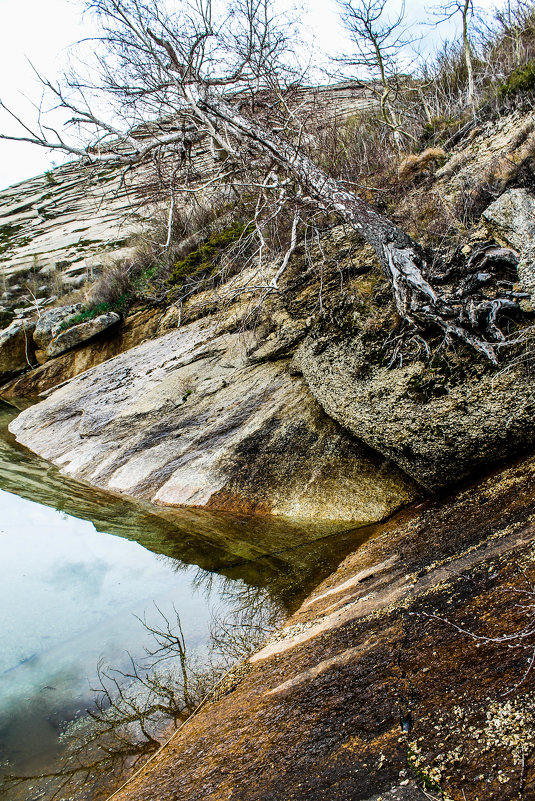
413 166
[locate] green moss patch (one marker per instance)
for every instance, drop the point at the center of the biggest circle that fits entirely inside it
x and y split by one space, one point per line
7 234
120 306
520 80
203 261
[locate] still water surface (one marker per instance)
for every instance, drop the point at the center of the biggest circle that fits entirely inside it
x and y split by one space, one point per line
78 567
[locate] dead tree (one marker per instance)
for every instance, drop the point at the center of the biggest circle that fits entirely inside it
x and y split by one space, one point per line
195 72
376 45
464 9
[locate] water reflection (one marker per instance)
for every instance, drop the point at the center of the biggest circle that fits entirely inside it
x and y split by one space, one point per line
69 596
287 556
77 565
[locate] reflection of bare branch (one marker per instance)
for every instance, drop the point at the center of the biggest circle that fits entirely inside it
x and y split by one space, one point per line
135 706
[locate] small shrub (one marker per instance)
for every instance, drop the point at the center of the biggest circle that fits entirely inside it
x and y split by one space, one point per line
520 80
114 285
414 165
360 151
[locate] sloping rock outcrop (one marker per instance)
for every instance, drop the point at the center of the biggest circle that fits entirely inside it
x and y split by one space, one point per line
400 678
185 419
66 221
332 324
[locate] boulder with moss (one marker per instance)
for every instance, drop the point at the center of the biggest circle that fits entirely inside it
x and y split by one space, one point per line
441 419
76 334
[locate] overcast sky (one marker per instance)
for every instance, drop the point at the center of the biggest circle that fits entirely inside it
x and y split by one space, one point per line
42 31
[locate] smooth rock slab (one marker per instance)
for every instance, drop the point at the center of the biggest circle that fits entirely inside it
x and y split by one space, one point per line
81 333
185 420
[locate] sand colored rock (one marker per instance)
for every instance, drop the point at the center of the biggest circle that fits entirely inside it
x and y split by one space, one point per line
135 329
17 350
185 420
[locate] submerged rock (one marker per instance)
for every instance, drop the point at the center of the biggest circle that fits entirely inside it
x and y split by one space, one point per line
186 420
77 334
17 351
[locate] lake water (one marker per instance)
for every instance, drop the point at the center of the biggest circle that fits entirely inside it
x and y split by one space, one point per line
79 567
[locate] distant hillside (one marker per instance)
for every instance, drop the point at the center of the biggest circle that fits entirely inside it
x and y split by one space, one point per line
57 230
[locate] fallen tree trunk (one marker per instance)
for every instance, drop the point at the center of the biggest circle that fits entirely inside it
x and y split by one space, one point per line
470 320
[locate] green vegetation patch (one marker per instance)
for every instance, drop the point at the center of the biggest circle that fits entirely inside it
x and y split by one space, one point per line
414 762
520 80
7 232
203 260
120 306
50 178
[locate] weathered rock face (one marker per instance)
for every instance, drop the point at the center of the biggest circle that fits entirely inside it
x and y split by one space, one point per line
77 334
137 328
63 222
185 420
17 351
49 323
437 428
512 218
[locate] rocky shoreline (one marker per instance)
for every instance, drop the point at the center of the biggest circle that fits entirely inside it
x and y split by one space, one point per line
407 673
394 680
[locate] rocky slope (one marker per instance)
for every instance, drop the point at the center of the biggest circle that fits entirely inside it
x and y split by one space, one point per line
405 675
58 231
62 225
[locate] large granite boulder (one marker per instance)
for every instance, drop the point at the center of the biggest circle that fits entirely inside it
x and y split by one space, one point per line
17 350
77 334
511 218
186 419
440 423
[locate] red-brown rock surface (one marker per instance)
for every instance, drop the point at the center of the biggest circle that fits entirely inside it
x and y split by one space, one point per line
372 691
